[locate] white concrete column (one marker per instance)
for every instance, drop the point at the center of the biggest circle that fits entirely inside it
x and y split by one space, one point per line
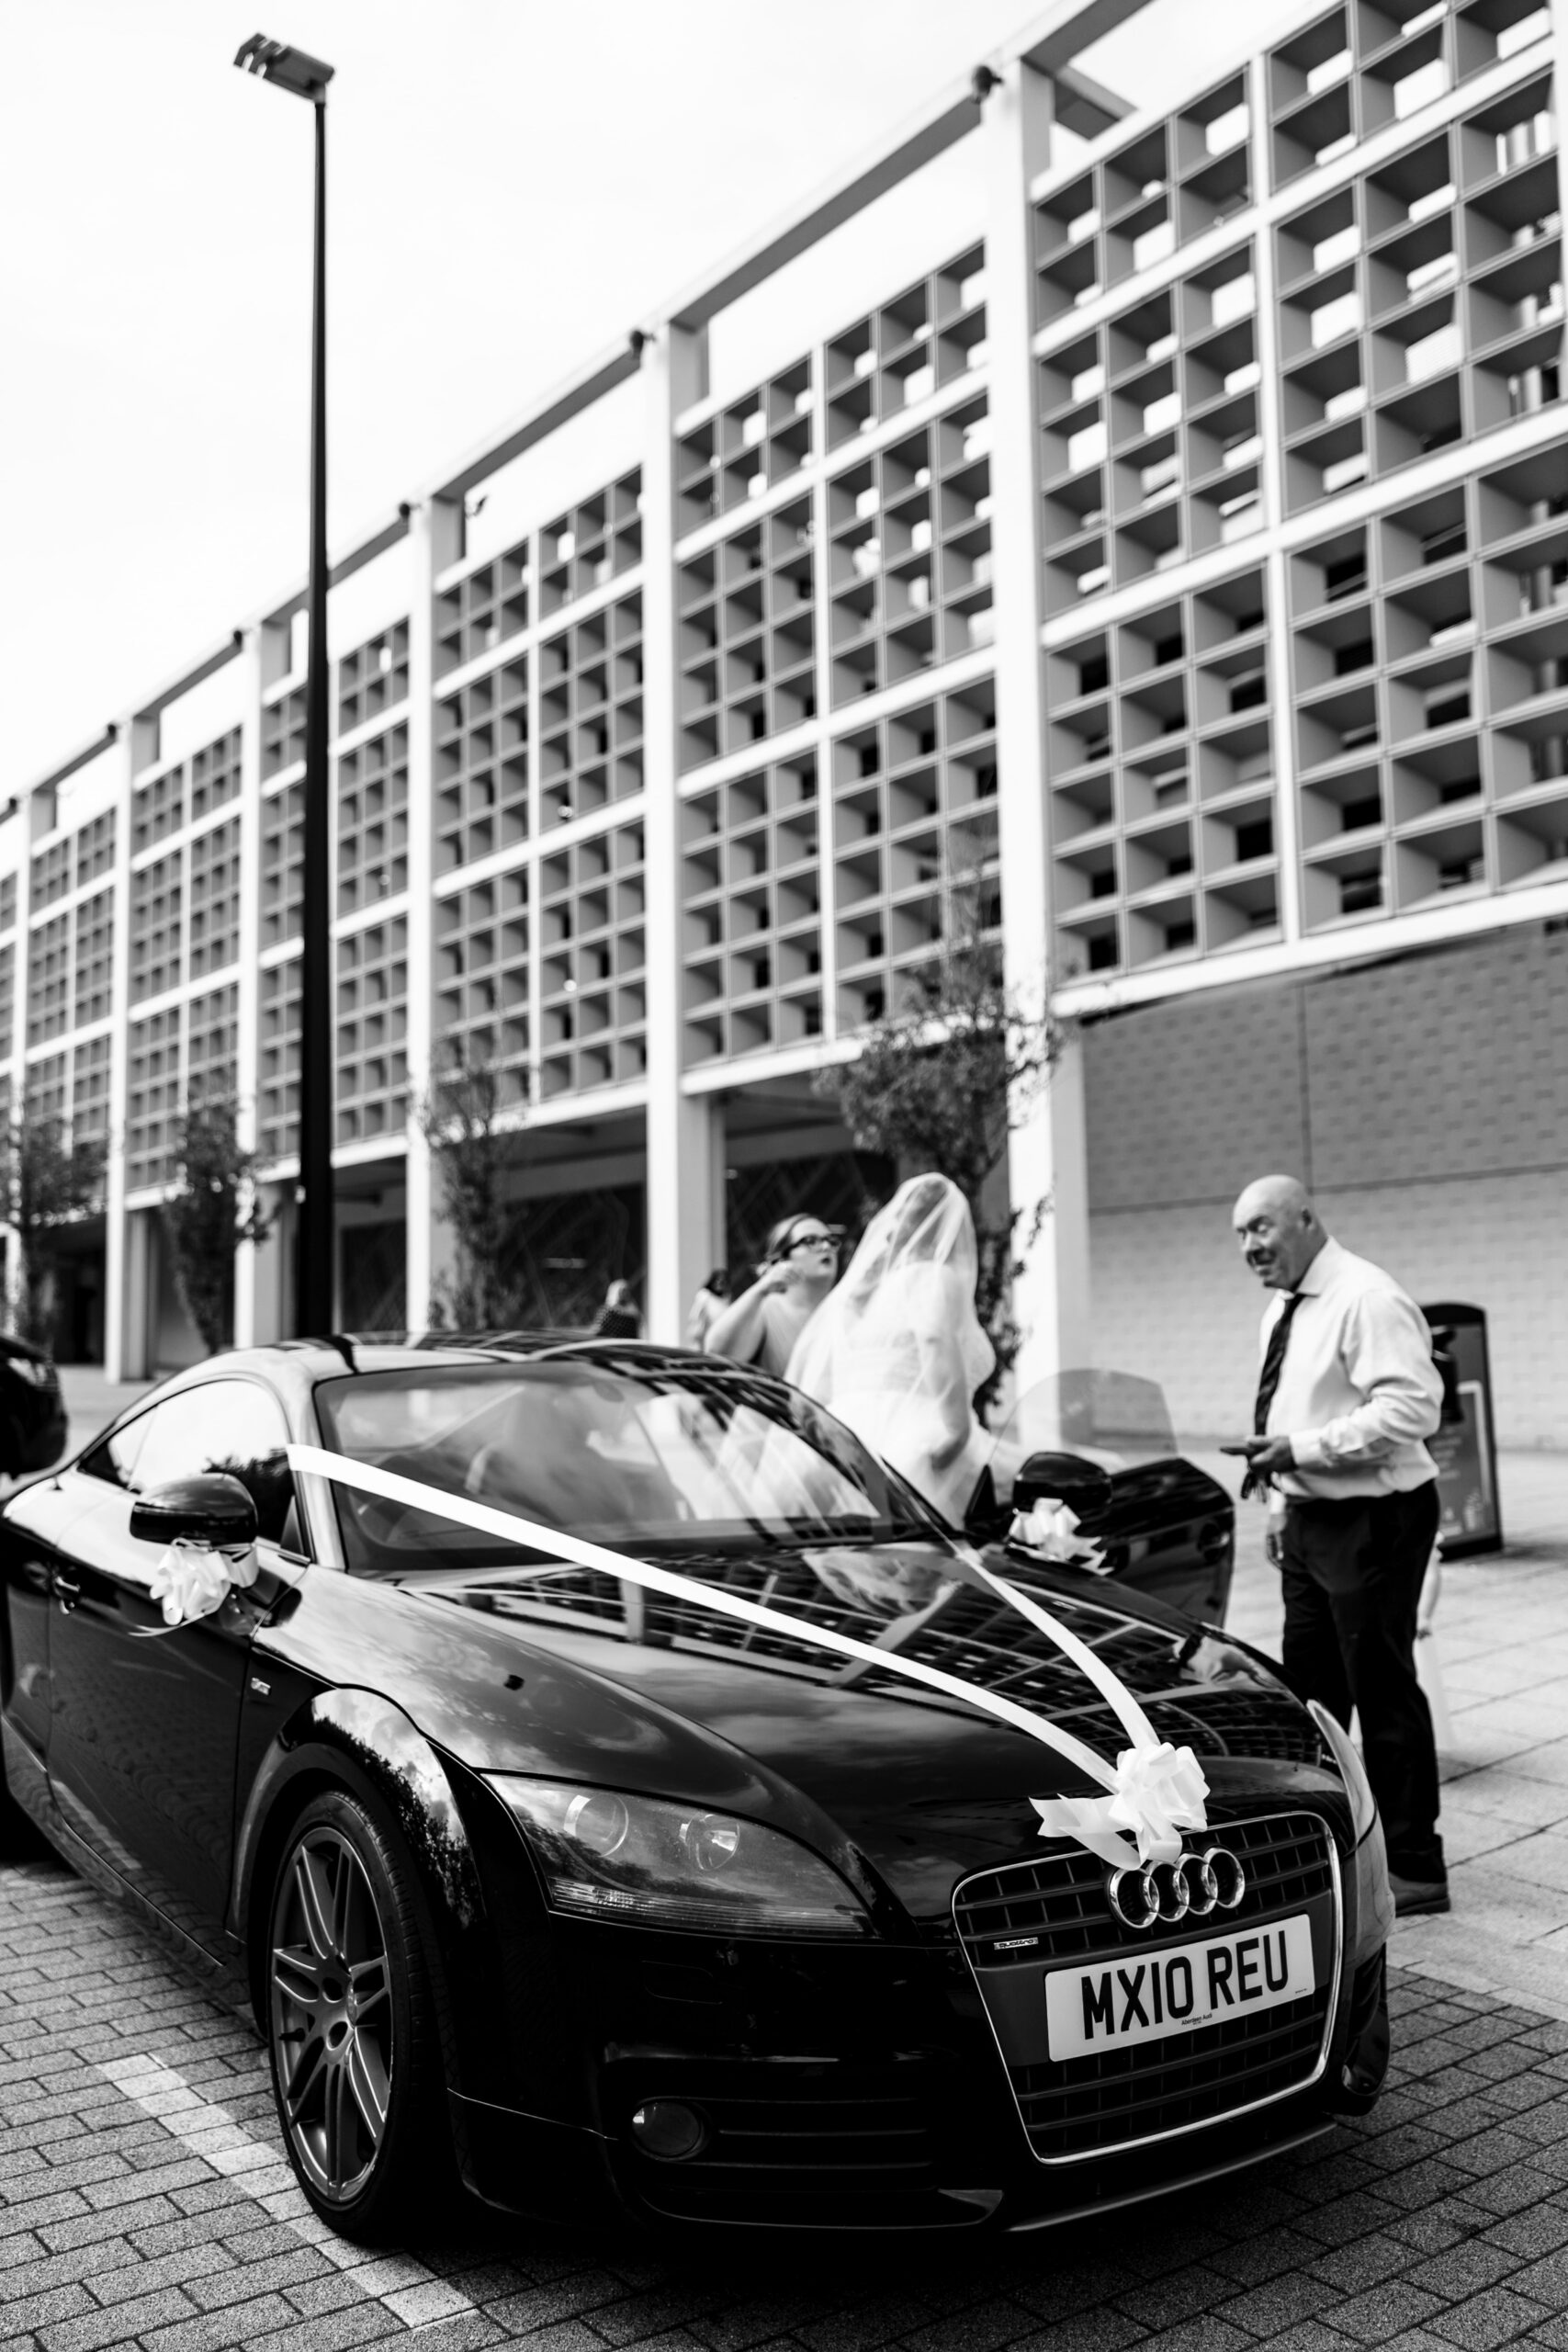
16 1044
1049 1164
270 1296
688 1239
254 1311
1047 1179
138 1335
827 930
435 529
1277 568
122 1360
681 1213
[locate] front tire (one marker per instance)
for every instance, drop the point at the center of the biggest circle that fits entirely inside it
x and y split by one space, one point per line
352 2025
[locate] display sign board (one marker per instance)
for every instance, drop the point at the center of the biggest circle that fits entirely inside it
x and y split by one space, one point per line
1465 1449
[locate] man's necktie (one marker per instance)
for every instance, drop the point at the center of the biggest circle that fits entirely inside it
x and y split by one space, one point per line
1269 1381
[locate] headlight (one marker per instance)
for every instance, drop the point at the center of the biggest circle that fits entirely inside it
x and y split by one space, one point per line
608 1855
1363 1805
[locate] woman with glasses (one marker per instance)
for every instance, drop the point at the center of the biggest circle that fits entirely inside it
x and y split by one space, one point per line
762 1325
897 1352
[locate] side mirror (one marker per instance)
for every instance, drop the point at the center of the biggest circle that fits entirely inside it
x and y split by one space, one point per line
1061 1478
214 1508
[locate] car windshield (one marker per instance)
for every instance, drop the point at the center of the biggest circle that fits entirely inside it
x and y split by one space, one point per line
673 1456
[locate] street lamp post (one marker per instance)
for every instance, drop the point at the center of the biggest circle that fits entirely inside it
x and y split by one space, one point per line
307 77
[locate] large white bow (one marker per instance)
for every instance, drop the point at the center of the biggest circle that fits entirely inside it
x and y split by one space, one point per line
1160 1791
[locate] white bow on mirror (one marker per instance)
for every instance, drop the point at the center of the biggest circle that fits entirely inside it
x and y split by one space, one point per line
1051 1530
192 1579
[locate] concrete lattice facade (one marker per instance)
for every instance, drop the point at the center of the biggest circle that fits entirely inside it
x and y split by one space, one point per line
1182 554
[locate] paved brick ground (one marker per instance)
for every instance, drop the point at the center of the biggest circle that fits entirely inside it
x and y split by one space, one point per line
142 2201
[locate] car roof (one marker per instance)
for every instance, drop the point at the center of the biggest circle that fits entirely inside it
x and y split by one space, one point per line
309 1361
388 1350
296 1368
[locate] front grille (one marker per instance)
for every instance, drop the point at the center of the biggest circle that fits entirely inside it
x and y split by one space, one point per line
1060 1899
1055 1911
1106 2101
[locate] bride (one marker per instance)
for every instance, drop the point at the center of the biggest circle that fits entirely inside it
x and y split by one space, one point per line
896 1351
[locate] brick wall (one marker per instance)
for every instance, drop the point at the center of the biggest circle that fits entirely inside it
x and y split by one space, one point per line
1426 1102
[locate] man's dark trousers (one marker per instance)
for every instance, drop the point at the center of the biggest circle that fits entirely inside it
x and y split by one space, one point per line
1352 1574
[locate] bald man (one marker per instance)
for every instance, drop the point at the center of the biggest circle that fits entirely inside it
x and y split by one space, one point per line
1347 1395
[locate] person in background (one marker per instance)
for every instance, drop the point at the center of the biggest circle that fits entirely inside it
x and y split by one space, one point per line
1347 1395
618 1318
762 1325
897 1352
709 1303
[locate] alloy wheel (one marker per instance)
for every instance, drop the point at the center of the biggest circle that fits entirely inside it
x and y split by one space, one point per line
331 2012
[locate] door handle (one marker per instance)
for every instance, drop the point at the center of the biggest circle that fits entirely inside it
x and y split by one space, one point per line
67 1588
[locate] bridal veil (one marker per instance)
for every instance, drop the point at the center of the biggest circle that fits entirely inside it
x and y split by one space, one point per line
895 1351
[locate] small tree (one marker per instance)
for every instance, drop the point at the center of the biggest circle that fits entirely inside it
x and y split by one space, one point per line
944 1075
458 1115
211 1210
47 1179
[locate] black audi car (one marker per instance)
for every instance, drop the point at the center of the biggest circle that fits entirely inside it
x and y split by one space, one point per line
584 1892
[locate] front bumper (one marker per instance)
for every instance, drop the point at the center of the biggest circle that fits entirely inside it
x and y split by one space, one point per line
852 2087
528 2165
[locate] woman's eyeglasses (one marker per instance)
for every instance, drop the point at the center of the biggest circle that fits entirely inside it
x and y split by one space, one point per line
827 1240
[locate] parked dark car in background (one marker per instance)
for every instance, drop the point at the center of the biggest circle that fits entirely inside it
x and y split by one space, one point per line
586 1894
1156 1522
33 1427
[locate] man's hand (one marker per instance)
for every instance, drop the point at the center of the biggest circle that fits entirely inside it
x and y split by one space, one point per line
1265 1456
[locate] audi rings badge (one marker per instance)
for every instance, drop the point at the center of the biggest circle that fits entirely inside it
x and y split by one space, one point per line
1192 1887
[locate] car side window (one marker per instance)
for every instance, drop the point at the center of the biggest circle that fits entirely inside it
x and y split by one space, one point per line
113 1459
232 1425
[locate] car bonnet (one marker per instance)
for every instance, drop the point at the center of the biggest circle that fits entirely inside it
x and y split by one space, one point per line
925 1786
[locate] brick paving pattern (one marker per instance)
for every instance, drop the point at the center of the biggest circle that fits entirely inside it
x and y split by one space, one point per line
143 2201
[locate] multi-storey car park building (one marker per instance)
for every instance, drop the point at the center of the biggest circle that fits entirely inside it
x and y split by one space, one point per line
1185 547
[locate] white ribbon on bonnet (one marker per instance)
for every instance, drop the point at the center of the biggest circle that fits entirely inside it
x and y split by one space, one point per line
1154 1791
1160 1789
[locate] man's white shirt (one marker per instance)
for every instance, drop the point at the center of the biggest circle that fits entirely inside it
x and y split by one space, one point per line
1358 1391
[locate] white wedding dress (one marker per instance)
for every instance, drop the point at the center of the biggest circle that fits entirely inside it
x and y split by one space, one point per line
897 1353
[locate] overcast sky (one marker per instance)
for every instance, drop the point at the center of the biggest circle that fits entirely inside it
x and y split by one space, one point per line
512 184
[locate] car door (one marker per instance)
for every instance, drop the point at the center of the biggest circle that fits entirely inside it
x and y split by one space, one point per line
36 1522
145 1716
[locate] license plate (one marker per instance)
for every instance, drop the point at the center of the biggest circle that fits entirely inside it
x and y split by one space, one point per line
1114 2004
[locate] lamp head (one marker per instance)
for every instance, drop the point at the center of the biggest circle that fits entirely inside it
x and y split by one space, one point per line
291 69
